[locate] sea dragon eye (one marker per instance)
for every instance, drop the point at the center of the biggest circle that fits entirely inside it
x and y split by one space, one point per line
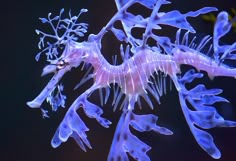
61 64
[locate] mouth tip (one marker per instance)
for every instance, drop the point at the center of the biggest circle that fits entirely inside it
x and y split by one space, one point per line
33 104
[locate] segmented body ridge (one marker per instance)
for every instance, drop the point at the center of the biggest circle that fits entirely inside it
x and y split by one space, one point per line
203 63
134 73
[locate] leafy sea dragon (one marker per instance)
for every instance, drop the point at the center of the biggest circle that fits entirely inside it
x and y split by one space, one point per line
141 74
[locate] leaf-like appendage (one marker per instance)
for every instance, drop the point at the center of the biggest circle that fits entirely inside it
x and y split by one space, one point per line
125 142
221 28
205 115
73 126
209 119
93 111
119 34
222 25
56 98
147 3
189 76
130 21
164 42
205 140
64 30
147 123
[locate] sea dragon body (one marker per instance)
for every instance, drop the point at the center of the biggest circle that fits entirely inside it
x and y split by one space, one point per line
136 78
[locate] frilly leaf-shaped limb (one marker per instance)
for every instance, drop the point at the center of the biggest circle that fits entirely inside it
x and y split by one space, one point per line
147 123
205 115
189 76
94 111
56 98
221 28
73 126
205 120
205 96
164 42
177 19
147 3
120 35
125 142
209 119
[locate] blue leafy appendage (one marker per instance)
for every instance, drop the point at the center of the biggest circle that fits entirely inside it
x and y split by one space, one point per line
125 142
204 115
130 21
73 126
63 31
56 98
221 28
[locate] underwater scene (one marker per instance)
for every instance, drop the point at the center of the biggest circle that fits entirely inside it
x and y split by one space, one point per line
119 80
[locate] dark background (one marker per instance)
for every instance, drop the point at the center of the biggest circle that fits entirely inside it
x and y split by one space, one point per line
25 136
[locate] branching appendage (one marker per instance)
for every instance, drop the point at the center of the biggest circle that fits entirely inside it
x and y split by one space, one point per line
63 31
73 126
204 114
143 72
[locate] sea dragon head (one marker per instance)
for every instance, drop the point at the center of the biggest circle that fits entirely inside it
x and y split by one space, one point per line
64 37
